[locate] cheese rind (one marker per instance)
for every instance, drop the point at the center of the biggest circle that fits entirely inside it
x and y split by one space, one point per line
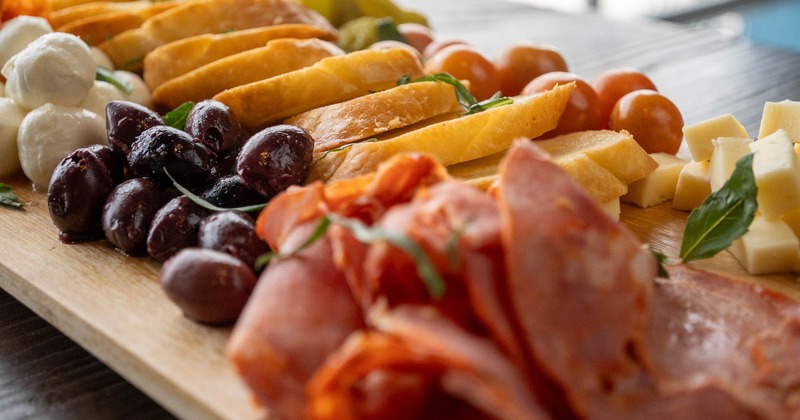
769 246
659 186
777 172
727 150
699 136
781 115
693 186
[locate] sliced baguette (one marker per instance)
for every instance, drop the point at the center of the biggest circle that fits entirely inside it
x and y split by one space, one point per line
180 57
277 57
453 140
101 27
56 5
59 18
128 49
332 80
367 116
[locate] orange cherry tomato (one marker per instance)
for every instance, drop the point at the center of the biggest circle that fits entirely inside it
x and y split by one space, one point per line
439 44
614 84
417 35
519 63
465 62
653 120
583 109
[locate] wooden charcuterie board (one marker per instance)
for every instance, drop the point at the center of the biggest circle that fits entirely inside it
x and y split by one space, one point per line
113 306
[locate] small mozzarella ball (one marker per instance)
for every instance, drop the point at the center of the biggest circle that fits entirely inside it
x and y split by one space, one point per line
100 95
55 68
17 33
11 116
51 132
140 93
100 58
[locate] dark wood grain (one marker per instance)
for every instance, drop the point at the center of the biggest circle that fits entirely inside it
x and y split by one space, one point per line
43 374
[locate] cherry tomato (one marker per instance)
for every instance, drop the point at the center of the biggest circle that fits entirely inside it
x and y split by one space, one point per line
519 63
614 83
653 120
465 62
417 35
439 44
583 109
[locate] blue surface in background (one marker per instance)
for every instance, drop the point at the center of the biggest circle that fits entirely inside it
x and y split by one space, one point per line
776 23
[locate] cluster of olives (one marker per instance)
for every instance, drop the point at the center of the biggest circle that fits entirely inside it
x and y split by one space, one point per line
123 193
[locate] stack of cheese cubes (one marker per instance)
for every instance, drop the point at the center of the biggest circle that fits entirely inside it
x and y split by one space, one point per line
771 245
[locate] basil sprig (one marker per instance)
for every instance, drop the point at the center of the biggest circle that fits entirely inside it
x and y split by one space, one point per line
205 204
103 74
177 117
724 216
465 99
8 197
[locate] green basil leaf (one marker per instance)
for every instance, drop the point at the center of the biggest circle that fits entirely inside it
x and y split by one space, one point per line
105 75
465 98
662 260
339 149
387 31
724 216
205 204
177 117
496 100
8 197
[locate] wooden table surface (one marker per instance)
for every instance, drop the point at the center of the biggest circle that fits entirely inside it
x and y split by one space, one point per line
43 374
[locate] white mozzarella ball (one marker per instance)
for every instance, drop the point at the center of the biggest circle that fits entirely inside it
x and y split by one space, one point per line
51 132
99 95
11 116
100 58
140 93
17 33
55 68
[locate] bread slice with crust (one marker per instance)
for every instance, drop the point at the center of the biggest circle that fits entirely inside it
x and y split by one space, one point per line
451 140
180 57
367 116
100 27
277 57
332 80
128 49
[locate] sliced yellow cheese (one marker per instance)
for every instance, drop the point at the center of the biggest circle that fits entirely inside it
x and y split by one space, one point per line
792 218
781 115
698 136
777 172
727 150
693 186
769 246
659 186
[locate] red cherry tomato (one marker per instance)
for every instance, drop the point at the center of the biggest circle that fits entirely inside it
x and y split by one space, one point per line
519 63
439 44
614 84
583 109
465 62
653 120
417 35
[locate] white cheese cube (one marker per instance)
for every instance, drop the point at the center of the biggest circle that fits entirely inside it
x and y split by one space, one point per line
727 150
777 172
693 186
792 218
698 136
769 246
777 115
659 186
612 208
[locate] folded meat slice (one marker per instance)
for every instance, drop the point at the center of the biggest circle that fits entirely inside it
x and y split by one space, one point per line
417 364
580 284
740 337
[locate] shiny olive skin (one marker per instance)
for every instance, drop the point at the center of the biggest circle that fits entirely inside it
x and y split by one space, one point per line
78 190
115 163
275 158
128 212
174 227
232 232
164 147
209 287
126 121
212 123
231 192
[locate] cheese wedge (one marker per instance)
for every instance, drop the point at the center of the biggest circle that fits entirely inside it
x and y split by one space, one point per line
777 172
367 116
659 186
332 80
180 57
693 186
727 150
769 246
277 57
453 140
698 136
783 115
128 49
